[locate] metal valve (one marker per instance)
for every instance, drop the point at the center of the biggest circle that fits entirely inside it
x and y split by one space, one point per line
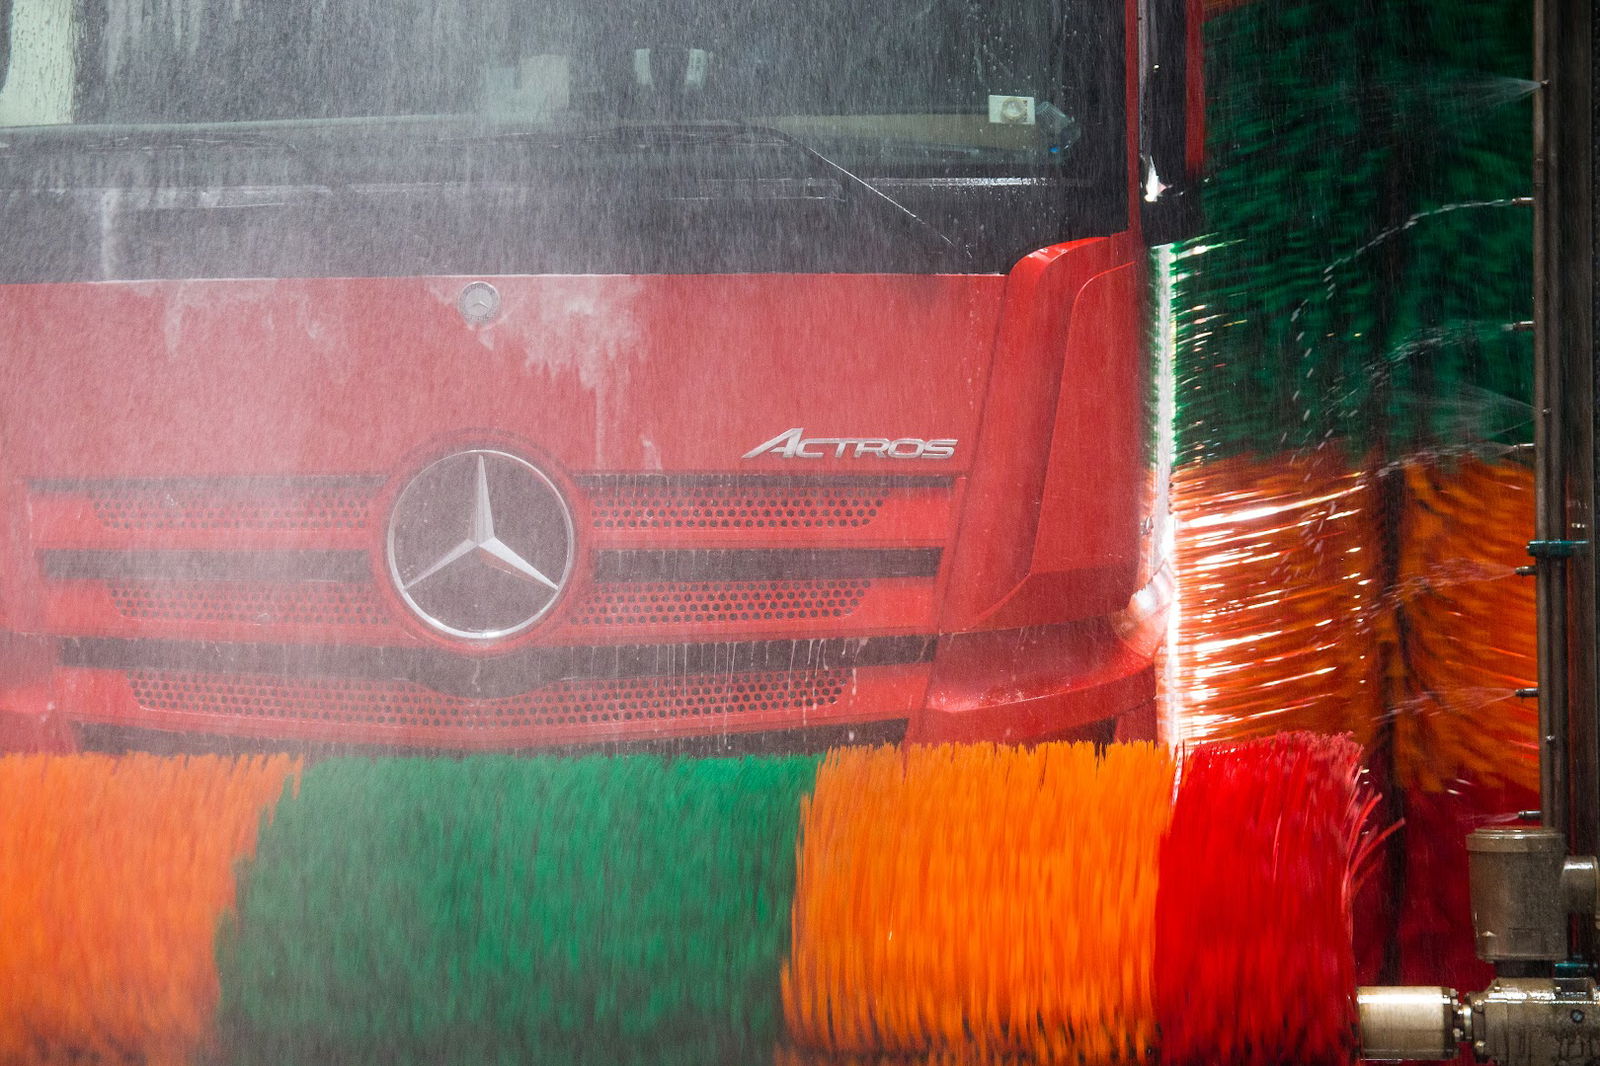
1517 1021
1524 889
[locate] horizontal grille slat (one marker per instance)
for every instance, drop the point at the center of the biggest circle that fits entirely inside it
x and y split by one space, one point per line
736 564
279 504
668 506
512 674
316 603
765 565
776 508
158 565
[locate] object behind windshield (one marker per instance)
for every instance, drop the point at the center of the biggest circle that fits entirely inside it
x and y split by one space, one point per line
992 74
973 118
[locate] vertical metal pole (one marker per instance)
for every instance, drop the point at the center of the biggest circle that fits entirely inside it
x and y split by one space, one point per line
1565 387
1550 522
1572 94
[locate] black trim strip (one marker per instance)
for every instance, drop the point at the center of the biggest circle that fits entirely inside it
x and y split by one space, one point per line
493 678
158 565
807 740
733 564
765 565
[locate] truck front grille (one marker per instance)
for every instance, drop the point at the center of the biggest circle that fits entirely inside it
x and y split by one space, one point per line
271 504
400 713
404 704
662 503
300 558
258 607
693 602
259 603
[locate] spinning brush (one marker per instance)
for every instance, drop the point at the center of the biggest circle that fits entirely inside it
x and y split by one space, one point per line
955 904
114 873
1253 925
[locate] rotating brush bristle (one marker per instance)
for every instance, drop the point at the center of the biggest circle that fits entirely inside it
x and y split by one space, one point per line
979 904
1254 957
612 911
949 906
114 873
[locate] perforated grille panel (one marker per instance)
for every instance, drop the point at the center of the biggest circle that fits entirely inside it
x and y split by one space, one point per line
326 603
658 550
739 601
567 703
674 504
294 506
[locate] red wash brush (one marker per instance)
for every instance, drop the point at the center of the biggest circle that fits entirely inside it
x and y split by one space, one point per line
1254 960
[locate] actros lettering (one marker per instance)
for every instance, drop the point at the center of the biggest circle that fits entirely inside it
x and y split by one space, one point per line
794 444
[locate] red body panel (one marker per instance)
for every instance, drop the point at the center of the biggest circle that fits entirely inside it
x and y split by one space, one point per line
1195 87
634 374
139 420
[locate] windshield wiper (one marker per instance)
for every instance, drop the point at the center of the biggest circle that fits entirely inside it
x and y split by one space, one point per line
666 134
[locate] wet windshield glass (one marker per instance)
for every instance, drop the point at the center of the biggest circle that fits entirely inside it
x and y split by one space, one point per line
235 137
1001 76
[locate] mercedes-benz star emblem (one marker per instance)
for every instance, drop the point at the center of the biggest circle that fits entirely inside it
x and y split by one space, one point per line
478 303
480 544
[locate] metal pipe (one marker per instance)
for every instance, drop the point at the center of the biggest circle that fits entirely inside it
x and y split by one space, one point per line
1570 69
1550 523
1565 389
1409 1022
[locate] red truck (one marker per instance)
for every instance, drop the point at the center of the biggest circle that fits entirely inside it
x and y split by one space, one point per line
469 374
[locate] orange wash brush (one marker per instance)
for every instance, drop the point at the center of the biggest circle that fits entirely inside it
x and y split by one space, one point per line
113 875
1254 961
1468 642
1276 560
978 904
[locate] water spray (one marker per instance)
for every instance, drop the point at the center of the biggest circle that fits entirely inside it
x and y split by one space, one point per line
1534 888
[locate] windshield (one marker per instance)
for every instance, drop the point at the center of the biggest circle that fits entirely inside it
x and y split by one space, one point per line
1021 93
